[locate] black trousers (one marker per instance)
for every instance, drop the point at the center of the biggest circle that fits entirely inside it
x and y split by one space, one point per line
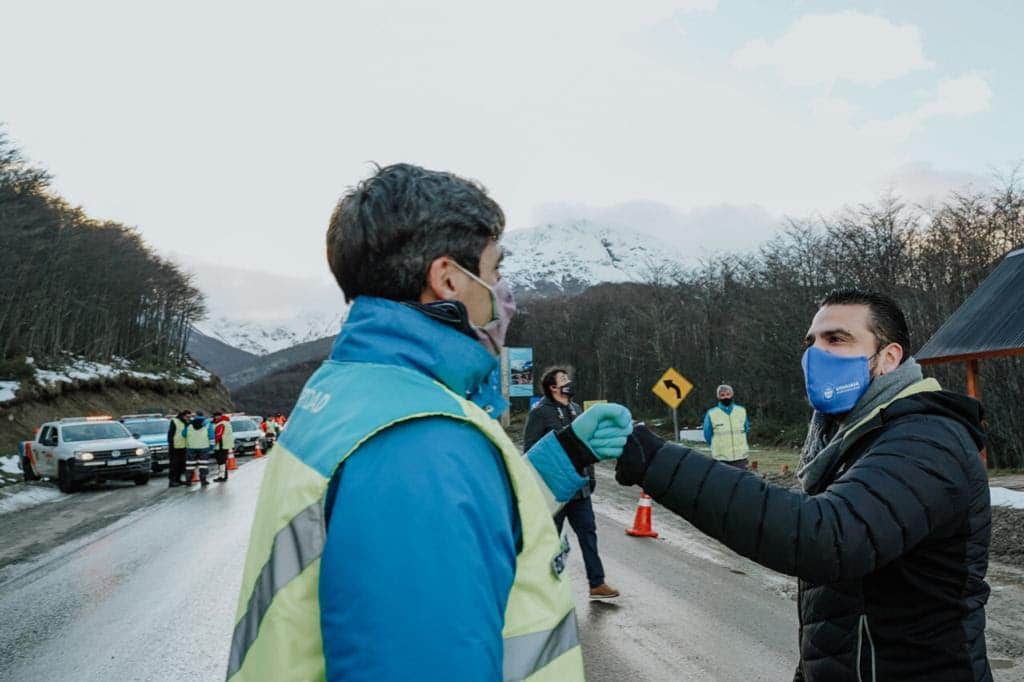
176 468
580 513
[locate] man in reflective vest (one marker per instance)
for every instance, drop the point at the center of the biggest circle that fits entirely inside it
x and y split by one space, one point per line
176 446
400 534
199 441
726 427
224 439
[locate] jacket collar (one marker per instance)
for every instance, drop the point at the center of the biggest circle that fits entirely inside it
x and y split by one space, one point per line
386 332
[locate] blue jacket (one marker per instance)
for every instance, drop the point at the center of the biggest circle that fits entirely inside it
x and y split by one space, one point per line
421 525
709 430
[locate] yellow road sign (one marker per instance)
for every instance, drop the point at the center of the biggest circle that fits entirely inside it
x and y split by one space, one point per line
587 404
672 388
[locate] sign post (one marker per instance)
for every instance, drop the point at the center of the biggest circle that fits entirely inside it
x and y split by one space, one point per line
506 417
673 388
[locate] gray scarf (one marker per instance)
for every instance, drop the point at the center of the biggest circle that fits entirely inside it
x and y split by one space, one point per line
825 432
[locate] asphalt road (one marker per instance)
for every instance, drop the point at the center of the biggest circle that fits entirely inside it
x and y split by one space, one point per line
129 583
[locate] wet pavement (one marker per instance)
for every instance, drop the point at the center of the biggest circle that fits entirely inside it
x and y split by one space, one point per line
127 583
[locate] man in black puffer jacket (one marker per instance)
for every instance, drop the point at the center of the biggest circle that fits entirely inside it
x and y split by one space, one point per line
889 536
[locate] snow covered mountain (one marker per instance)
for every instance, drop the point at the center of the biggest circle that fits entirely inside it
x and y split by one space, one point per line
566 258
263 337
552 259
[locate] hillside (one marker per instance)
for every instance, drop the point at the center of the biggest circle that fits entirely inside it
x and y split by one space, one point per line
217 356
250 376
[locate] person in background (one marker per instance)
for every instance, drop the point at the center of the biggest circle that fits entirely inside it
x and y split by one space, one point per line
224 440
555 411
199 441
177 447
726 427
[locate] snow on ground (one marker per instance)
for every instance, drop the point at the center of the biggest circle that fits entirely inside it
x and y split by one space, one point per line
27 496
83 370
8 389
1004 497
9 464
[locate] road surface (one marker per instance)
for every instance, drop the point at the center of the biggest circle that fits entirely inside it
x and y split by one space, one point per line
127 583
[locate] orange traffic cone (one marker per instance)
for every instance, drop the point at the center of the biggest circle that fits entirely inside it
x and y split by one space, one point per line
642 521
259 451
195 475
232 463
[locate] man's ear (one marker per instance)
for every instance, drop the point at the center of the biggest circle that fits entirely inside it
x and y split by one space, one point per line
889 358
441 281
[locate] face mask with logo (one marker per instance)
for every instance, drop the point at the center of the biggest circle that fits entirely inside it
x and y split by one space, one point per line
834 383
568 390
725 401
503 309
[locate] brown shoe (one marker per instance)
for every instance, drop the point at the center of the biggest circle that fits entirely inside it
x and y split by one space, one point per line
603 591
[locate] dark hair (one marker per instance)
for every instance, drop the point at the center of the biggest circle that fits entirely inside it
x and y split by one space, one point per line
886 320
385 233
550 378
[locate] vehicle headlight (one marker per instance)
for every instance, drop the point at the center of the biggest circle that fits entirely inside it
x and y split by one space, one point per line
140 451
84 456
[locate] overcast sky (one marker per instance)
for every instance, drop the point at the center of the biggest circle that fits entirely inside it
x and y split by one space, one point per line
227 131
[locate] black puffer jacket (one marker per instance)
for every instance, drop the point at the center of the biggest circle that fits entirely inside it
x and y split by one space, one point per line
891 550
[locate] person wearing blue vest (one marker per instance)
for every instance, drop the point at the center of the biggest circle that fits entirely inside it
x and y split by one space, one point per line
400 534
726 426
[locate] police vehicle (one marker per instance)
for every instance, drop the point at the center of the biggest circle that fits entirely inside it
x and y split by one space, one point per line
152 430
247 434
77 450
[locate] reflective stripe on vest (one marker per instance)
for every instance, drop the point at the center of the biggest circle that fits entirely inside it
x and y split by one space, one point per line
729 441
178 441
227 437
197 439
277 633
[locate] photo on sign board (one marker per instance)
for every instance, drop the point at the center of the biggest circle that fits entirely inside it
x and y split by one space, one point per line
520 366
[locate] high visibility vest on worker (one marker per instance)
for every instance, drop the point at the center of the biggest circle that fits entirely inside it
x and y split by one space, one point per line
277 632
729 441
227 437
178 441
197 439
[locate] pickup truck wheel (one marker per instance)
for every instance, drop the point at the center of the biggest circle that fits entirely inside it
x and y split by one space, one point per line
28 471
142 480
64 480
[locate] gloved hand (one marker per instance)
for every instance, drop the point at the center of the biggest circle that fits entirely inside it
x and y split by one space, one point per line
641 449
604 428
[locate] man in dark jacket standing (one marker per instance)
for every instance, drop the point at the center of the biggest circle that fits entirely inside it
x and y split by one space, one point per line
889 535
555 411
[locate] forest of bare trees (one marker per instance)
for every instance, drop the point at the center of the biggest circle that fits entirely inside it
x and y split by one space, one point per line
741 319
69 283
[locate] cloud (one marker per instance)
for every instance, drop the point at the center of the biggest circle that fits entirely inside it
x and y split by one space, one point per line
688 6
954 98
925 185
827 48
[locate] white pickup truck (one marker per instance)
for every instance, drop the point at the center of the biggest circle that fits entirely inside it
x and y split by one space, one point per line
81 449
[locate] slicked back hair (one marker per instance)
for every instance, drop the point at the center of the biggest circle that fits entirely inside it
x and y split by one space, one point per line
885 317
385 233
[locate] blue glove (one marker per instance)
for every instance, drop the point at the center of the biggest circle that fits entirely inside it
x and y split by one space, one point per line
604 429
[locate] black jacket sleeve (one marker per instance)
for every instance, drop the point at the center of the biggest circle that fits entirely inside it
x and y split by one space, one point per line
910 483
170 435
539 421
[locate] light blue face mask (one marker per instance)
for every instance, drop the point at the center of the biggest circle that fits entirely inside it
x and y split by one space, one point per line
834 383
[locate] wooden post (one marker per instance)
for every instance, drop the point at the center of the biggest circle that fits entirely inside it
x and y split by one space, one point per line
506 418
974 390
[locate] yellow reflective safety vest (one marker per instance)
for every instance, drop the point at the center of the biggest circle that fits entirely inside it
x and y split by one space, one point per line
227 438
178 440
277 632
729 441
197 439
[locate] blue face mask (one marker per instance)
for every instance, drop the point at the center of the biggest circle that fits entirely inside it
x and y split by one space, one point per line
834 383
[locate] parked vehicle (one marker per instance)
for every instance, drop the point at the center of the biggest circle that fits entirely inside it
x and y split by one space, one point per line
83 449
247 434
151 429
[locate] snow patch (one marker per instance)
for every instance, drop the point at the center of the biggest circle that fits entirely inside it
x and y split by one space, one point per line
1004 497
79 369
9 464
262 337
8 389
28 496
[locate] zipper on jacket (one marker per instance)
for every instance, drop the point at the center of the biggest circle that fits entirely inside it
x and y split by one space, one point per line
862 629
